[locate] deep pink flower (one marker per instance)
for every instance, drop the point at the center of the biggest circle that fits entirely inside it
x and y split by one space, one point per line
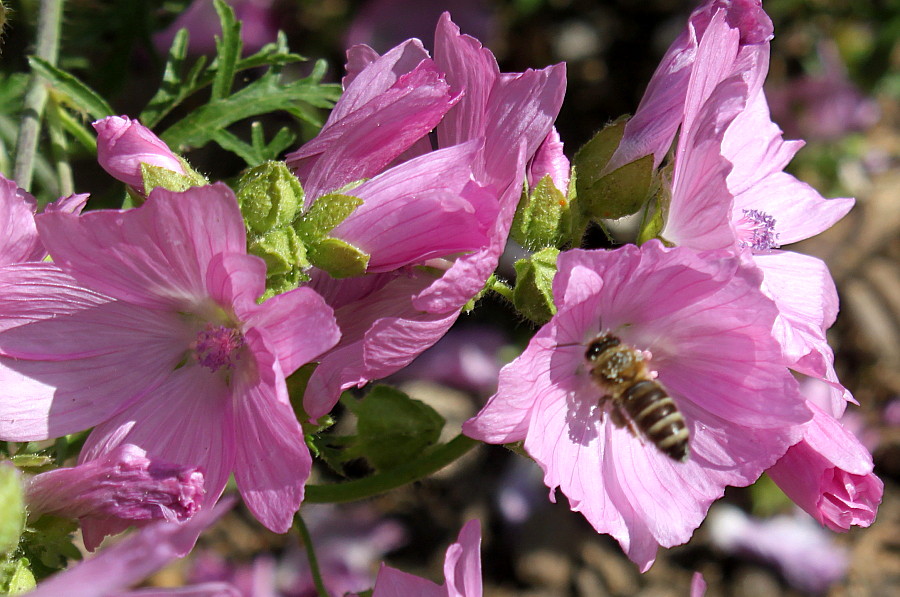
462 572
660 113
804 553
124 144
704 327
115 491
19 240
133 559
147 328
387 320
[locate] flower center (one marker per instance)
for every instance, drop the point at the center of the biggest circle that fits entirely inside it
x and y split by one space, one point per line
756 229
217 347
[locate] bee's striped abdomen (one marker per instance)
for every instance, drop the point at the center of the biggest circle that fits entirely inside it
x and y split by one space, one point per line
656 416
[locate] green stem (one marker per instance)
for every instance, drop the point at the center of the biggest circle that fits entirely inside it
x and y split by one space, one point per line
48 27
59 147
311 555
502 289
418 468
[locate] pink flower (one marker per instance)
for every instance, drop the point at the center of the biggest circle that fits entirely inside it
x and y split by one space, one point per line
135 558
19 240
549 160
653 126
698 585
462 572
801 551
147 328
124 144
115 491
829 472
703 327
502 118
259 26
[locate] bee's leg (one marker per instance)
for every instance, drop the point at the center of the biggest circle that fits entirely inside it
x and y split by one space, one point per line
620 420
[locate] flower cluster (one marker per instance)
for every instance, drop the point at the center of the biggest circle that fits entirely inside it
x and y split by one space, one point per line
666 371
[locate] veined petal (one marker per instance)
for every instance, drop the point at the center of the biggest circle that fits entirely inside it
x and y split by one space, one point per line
236 279
18 236
299 326
265 424
68 355
417 211
154 256
366 140
369 75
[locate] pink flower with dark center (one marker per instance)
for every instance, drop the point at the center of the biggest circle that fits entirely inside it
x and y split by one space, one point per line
701 327
146 327
115 491
462 572
124 144
499 120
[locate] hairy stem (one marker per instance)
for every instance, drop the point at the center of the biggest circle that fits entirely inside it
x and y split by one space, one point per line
311 555
47 47
418 468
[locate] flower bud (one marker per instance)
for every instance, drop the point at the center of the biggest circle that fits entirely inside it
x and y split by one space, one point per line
124 144
124 485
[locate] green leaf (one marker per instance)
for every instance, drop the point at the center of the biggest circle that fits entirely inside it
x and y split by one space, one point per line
12 508
31 461
325 214
228 50
339 258
533 292
174 87
72 89
16 577
392 428
620 193
47 543
78 130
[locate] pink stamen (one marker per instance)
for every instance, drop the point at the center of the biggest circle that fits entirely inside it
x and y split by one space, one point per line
217 347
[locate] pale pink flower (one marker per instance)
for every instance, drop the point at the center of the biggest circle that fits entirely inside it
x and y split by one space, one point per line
804 553
19 240
462 572
119 489
124 144
146 327
387 320
829 472
133 559
704 327
698 585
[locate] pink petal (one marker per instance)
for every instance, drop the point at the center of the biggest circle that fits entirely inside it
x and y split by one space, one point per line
156 255
132 560
185 422
376 74
549 160
265 424
236 279
395 583
18 236
67 355
299 326
462 566
124 144
417 211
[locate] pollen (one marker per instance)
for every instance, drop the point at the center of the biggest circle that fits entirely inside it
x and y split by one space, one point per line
217 347
756 229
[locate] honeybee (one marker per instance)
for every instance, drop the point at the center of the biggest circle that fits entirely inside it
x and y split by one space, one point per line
638 400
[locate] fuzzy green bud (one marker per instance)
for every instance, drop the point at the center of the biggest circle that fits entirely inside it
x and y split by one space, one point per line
533 292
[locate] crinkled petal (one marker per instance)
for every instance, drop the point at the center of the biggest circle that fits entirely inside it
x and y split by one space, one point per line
154 256
236 279
265 424
186 422
418 210
67 355
369 75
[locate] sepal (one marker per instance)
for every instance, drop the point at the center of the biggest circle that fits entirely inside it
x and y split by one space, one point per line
533 292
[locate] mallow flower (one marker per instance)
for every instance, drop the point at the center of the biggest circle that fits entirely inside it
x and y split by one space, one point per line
702 327
503 118
146 327
829 472
120 489
462 572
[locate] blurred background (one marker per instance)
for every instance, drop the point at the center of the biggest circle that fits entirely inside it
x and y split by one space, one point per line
834 81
